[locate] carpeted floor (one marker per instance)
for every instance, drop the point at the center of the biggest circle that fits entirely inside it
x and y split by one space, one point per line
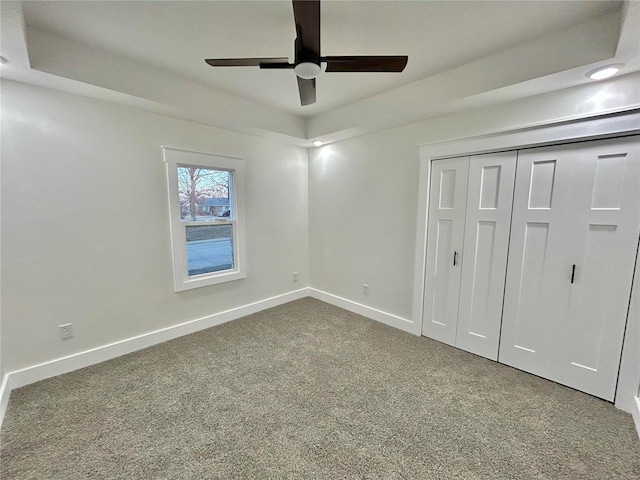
307 390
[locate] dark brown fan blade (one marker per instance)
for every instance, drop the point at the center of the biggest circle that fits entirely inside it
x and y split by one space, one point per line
307 16
381 63
277 66
307 89
244 62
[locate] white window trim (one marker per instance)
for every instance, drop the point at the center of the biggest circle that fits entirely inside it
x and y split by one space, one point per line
174 158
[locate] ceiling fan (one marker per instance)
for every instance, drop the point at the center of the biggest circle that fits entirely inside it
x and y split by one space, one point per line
307 55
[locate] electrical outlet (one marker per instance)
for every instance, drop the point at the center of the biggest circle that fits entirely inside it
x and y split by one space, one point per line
66 331
365 289
294 277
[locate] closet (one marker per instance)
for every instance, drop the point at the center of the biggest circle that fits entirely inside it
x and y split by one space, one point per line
468 234
574 238
542 275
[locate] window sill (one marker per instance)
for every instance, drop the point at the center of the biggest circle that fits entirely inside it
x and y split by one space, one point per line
208 280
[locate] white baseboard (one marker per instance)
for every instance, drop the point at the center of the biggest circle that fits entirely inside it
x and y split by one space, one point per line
59 366
636 415
369 312
5 391
26 376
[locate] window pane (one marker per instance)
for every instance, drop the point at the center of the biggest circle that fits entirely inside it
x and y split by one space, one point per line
204 193
209 248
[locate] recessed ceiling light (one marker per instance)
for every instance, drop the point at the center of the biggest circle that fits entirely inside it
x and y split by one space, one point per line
318 143
606 71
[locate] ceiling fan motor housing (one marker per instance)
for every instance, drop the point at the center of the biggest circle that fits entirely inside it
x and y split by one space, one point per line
307 64
307 70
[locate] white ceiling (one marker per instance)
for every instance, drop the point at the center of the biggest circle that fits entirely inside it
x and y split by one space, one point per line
177 36
440 38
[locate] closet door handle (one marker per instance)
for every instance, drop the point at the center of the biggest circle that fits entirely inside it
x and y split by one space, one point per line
455 258
573 273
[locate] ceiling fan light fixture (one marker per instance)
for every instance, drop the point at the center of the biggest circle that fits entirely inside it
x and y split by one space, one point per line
307 70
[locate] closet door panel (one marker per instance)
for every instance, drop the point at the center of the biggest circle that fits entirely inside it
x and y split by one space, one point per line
447 202
535 286
488 218
606 224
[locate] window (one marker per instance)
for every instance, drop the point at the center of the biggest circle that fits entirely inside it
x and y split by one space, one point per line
206 217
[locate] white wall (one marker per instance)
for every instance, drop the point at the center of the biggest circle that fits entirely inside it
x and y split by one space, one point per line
85 232
363 205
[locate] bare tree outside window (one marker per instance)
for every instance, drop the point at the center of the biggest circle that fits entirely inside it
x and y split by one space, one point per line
195 184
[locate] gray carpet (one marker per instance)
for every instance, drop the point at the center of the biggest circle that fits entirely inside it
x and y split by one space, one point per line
307 390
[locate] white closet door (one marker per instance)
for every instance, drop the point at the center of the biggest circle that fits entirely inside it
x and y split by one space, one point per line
605 219
536 287
486 241
447 202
